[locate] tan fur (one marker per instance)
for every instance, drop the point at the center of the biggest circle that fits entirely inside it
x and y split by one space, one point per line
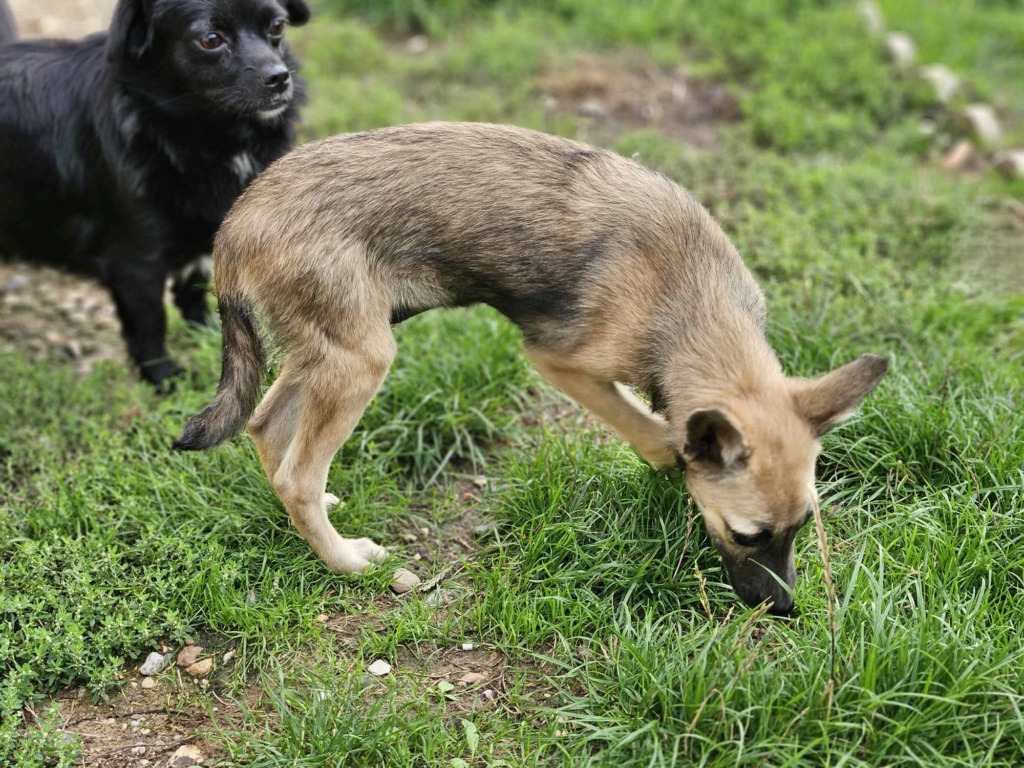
618 278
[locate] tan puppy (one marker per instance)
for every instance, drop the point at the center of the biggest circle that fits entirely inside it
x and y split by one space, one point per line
617 277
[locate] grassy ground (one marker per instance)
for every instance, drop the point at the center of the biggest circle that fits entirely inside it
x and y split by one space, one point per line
596 607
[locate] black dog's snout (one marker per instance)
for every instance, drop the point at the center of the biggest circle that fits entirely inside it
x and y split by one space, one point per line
277 77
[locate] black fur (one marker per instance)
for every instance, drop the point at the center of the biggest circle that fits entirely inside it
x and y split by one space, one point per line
8 29
122 153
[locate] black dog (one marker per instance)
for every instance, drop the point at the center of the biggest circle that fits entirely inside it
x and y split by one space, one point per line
121 154
8 29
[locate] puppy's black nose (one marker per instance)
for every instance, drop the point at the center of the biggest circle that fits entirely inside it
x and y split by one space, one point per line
277 77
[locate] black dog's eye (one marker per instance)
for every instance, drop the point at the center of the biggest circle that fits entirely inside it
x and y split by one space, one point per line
212 41
276 28
752 541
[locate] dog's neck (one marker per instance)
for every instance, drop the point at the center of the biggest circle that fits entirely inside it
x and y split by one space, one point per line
726 358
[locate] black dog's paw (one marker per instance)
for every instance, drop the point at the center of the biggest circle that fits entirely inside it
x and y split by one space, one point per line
163 375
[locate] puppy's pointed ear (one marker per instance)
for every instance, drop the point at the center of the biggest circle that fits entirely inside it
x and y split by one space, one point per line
714 441
131 31
827 400
298 12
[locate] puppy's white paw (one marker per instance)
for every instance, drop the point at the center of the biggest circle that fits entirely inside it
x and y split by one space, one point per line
369 549
331 501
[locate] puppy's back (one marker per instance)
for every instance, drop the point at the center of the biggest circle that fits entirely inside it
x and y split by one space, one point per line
457 213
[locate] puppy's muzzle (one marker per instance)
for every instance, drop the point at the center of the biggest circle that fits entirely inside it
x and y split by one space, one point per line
277 77
764 575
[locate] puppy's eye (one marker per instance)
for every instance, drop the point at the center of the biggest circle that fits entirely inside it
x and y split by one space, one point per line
757 539
212 41
276 28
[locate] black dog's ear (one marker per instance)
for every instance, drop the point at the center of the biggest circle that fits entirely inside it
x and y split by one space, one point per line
298 12
131 30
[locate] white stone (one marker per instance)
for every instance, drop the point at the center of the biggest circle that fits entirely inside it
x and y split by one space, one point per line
467 646
1011 162
153 664
942 80
404 581
872 16
379 668
983 123
900 49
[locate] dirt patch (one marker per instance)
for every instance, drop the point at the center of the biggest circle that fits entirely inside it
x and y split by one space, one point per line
628 91
49 315
62 18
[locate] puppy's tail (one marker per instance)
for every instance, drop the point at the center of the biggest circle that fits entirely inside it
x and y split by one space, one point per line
243 366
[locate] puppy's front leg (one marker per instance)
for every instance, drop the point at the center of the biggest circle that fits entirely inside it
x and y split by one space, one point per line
189 289
138 291
618 407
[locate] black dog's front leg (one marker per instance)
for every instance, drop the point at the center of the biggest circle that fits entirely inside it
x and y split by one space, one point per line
138 290
189 290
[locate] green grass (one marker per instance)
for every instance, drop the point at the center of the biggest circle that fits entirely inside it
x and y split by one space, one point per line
624 646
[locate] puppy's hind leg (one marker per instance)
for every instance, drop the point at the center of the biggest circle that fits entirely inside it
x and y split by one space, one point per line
334 390
623 411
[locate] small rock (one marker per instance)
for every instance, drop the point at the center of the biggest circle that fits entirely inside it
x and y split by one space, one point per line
489 694
186 756
484 529
472 678
148 683
872 16
942 80
323 618
900 49
418 44
958 156
593 107
200 668
139 750
379 668
480 481
229 655
440 597
188 655
409 538
467 646
1011 163
404 581
73 349
983 123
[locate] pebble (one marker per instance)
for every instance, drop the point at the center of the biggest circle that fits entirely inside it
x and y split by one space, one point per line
200 668
418 44
139 750
593 107
958 156
186 756
467 646
489 694
404 581
228 656
154 664
1011 163
472 678
379 668
872 16
942 80
983 123
900 49
440 597
148 683
484 529
189 654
